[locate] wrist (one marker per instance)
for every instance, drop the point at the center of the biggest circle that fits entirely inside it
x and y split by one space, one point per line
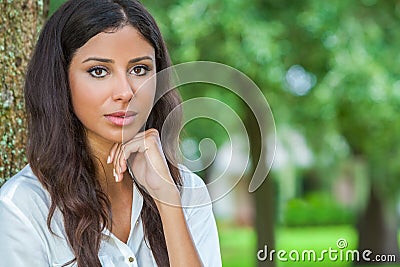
168 199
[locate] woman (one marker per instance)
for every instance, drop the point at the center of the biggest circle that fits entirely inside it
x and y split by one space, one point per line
88 197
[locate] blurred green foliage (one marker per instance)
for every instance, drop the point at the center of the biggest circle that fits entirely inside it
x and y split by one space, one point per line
316 209
54 4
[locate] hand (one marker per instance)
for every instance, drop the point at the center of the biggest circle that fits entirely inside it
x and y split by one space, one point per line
145 158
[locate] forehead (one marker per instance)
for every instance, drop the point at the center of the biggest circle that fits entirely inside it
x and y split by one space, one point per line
126 42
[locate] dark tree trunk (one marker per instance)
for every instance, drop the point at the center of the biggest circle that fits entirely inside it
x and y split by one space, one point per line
19 25
377 229
264 196
265 221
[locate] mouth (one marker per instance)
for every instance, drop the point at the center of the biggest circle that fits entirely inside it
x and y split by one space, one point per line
121 118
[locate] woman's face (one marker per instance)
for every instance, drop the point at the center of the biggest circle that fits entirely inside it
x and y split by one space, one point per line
105 76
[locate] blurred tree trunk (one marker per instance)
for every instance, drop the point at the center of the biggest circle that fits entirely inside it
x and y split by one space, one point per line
264 196
377 229
20 22
265 220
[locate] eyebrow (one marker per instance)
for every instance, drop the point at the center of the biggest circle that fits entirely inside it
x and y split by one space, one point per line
106 60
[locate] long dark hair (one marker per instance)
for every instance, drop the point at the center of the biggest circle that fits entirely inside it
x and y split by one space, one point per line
57 148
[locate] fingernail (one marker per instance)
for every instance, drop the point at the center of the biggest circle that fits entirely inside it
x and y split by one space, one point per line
109 159
115 175
120 169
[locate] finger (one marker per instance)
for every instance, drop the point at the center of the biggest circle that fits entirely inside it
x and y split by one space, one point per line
122 159
122 154
152 131
117 168
111 155
138 136
140 144
130 152
143 135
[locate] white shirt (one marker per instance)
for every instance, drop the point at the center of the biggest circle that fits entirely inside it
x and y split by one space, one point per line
25 239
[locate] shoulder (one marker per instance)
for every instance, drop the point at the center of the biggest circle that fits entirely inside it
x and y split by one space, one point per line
194 190
24 191
23 215
189 178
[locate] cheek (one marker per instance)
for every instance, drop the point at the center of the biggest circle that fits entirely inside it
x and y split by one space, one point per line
77 95
85 96
78 99
144 96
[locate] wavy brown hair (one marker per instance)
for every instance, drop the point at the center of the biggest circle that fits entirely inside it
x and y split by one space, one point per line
58 150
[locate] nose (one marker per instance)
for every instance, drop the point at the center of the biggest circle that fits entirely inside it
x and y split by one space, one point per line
122 90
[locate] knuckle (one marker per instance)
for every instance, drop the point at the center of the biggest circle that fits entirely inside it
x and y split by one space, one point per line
149 140
154 131
152 136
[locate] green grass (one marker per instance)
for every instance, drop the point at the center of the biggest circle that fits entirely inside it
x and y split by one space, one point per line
317 239
238 245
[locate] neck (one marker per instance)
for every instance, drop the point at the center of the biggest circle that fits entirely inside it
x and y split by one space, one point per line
99 146
100 149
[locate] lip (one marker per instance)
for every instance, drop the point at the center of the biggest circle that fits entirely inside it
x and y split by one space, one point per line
121 118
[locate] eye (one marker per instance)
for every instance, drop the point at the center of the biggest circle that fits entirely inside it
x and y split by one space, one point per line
140 70
98 72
